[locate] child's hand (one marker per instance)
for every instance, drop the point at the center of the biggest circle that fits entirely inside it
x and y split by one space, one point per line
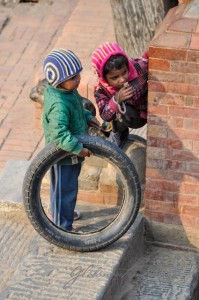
124 93
85 152
94 123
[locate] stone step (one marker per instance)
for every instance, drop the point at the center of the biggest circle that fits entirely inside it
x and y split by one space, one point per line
32 268
11 180
159 273
128 269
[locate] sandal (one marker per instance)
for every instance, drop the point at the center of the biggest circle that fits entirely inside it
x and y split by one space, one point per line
76 215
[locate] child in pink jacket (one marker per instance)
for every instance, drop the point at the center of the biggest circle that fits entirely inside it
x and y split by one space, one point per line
121 90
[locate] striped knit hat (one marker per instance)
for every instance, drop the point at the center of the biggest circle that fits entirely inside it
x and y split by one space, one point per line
60 65
102 55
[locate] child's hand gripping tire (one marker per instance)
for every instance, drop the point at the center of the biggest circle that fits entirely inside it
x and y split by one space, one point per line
86 241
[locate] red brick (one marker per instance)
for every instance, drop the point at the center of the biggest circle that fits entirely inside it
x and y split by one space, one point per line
196 102
196 225
155 163
163 185
189 200
190 211
160 153
185 112
172 40
188 124
190 177
160 142
172 197
195 42
111 199
160 76
193 90
156 120
154 86
173 174
188 221
174 144
155 216
188 144
166 99
157 131
182 155
155 195
159 64
158 109
112 189
193 56
189 101
189 188
184 67
172 219
189 23
195 124
153 173
176 122
177 88
196 146
176 175
165 53
185 134
90 196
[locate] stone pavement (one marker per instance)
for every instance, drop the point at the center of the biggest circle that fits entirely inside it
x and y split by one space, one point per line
31 268
131 268
27 33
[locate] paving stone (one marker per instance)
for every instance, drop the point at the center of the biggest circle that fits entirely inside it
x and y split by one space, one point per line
11 181
159 274
47 272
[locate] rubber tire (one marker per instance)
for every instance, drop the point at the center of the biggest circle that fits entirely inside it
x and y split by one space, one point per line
88 241
136 138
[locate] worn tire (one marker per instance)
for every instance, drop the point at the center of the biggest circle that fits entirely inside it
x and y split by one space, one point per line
88 241
137 138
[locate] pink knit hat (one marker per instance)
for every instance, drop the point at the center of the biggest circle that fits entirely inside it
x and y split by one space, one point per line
102 55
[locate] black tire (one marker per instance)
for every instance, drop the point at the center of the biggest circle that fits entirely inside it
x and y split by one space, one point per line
136 138
88 241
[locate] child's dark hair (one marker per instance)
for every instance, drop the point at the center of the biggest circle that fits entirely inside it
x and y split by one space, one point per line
115 62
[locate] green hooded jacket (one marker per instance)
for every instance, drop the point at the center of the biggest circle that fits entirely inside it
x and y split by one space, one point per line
63 118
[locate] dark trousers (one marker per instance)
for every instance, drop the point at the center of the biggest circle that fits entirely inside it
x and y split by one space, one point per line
63 194
130 119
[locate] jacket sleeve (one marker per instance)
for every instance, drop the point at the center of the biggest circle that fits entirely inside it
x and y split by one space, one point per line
88 115
140 84
106 104
59 131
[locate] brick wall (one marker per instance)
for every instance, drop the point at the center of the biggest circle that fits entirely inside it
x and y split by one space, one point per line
172 172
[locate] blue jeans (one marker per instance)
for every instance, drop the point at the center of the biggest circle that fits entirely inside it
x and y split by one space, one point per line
63 194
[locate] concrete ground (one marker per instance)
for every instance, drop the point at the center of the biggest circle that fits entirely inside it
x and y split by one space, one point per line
31 267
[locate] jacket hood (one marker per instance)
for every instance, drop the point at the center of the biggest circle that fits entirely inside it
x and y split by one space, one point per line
102 54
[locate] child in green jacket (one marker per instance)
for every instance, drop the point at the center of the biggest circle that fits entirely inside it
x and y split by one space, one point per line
63 118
